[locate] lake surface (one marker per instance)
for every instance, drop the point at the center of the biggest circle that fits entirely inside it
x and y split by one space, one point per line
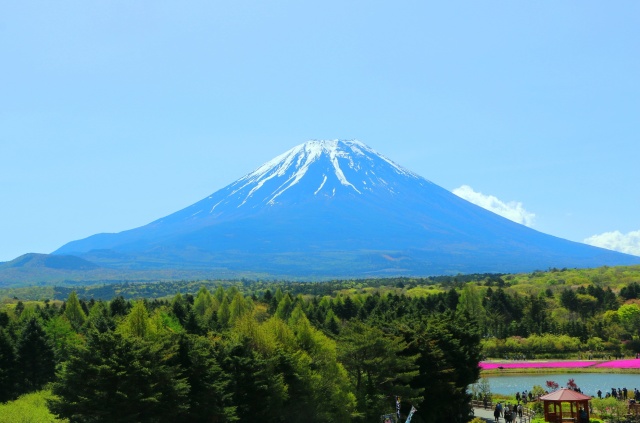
589 383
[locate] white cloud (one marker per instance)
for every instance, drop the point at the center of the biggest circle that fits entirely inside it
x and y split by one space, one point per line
512 210
617 241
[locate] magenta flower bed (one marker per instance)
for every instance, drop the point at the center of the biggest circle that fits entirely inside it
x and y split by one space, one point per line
620 364
537 364
616 364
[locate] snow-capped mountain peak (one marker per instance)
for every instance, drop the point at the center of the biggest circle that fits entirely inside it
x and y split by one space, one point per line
326 166
336 208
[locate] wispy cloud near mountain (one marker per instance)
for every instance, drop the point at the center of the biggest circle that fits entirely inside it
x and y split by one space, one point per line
512 210
625 243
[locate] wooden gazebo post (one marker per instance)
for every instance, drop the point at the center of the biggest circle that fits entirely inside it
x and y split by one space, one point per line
552 404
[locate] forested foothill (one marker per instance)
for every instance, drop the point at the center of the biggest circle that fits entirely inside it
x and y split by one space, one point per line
272 351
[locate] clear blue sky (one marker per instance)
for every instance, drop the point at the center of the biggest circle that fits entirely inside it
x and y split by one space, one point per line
113 114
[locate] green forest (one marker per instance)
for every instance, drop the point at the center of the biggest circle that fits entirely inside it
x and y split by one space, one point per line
275 351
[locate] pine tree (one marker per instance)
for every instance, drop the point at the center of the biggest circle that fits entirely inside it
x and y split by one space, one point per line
137 322
74 312
118 306
62 337
258 388
449 348
203 302
224 313
34 357
237 308
121 379
7 367
219 294
285 306
4 319
331 322
100 318
378 366
209 395
180 308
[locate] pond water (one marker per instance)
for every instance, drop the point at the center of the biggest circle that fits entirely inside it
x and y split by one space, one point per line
589 383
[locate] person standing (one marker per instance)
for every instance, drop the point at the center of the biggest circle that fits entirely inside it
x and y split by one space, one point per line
584 417
520 411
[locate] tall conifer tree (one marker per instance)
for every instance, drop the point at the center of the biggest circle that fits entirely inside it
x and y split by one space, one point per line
34 357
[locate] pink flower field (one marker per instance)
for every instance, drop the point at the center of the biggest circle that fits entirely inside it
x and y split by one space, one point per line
620 364
616 364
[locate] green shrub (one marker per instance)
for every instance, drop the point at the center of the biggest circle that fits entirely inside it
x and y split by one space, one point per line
609 409
29 408
537 407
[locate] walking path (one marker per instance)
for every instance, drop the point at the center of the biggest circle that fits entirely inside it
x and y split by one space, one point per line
487 415
484 414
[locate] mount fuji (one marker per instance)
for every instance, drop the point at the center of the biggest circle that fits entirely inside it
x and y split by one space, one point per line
328 209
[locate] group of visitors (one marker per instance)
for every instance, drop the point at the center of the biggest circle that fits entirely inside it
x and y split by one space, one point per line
509 412
524 397
621 394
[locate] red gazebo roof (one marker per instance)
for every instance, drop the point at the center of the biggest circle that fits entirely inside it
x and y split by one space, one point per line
565 394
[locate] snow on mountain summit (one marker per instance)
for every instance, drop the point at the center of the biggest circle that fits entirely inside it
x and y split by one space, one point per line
318 168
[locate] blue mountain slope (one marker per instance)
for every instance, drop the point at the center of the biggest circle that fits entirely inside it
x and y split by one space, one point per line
337 208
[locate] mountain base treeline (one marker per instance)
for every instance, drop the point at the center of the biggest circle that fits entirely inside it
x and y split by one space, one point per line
222 356
335 351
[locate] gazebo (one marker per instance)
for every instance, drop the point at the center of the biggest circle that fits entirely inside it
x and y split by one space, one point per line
556 413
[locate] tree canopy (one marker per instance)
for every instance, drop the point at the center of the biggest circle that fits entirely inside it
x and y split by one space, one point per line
340 351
